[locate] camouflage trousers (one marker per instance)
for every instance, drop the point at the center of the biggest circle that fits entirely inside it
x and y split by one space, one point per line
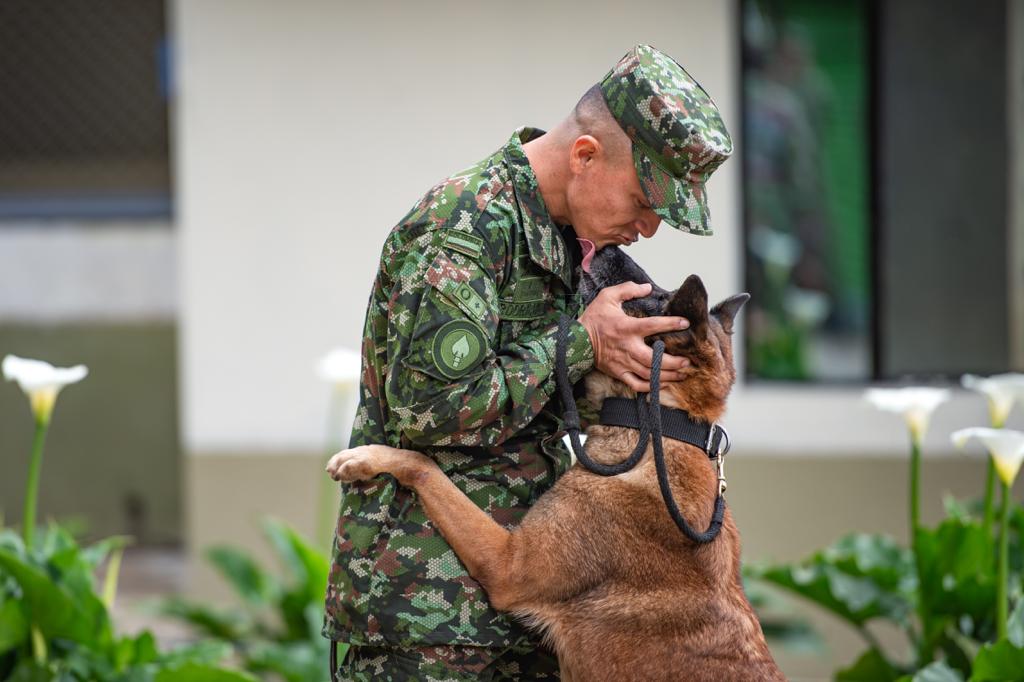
447 664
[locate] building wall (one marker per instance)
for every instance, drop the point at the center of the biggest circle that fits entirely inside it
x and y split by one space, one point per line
304 133
101 293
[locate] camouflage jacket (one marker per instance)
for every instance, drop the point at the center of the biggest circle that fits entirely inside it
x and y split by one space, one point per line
457 362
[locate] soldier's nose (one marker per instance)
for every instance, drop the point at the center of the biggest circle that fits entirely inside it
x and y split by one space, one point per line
648 227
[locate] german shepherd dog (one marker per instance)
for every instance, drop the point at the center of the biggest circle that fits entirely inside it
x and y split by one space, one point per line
597 564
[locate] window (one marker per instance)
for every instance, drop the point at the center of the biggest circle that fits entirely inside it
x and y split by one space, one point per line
83 125
875 196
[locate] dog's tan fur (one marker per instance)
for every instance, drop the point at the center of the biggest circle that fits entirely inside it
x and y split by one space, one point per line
598 564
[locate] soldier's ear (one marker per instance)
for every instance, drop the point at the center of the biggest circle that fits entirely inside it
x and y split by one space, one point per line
582 153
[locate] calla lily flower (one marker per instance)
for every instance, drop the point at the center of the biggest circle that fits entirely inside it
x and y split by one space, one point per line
1005 445
340 367
1001 391
41 381
915 403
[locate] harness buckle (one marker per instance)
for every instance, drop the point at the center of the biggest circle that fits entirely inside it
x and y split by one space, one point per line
722 449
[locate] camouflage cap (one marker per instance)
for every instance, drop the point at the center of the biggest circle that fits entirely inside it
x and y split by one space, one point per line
677 133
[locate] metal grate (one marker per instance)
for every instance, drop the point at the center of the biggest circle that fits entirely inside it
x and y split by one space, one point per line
83 107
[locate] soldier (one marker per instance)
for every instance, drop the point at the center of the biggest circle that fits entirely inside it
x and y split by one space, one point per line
458 356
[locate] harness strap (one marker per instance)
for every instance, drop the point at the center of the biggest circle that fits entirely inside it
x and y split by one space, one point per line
649 418
676 424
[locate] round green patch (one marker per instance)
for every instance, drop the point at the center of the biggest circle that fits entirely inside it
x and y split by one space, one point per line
458 347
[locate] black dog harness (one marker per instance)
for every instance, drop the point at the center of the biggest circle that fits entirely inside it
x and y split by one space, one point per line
646 414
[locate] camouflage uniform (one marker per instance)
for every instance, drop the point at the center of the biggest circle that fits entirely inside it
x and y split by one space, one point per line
447 664
458 358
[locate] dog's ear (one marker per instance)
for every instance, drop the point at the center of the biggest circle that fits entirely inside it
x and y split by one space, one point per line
727 310
690 301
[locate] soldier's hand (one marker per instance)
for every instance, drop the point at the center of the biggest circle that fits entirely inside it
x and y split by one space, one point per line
618 339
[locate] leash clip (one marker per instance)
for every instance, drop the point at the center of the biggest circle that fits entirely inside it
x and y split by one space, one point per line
724 445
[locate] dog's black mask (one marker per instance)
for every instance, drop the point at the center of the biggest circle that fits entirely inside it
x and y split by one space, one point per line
612 266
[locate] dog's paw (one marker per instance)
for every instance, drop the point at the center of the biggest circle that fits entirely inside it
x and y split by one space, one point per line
354 464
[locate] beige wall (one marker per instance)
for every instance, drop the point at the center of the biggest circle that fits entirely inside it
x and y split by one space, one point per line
305 130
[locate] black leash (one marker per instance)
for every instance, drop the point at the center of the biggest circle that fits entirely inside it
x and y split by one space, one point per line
648 420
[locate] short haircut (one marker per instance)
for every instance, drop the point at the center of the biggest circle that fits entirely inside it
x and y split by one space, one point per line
591 116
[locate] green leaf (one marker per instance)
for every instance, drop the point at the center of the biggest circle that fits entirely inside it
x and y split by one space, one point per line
195 672
12 541
1015 625
13 626
870 667
959 649
248 579
1000 662
230 625
94 554
204 652
775 613
962 511
294 661
877 557
308 566
858 578
958 570
55 539
133 651
30 671
57 611
937 672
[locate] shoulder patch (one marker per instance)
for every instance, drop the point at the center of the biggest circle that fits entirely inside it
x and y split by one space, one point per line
458 346
464 242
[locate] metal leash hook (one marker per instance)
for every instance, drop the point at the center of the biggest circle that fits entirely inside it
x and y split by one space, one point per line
724 444
720 469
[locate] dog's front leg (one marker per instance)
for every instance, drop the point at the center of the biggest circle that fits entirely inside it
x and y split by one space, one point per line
484 547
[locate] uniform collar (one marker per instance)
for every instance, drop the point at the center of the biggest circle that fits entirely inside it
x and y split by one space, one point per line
544 239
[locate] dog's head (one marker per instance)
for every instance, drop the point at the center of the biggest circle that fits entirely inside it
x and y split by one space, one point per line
707 343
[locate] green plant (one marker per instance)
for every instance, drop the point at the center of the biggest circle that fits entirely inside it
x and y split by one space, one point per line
277 627
53 623
55 626
947 592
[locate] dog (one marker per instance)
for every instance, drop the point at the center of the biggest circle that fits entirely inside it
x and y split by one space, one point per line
598 564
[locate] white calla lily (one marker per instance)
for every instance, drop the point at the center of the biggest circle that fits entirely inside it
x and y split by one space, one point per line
41 381
1005 445
915 403
1000 389
1006 448
340 367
